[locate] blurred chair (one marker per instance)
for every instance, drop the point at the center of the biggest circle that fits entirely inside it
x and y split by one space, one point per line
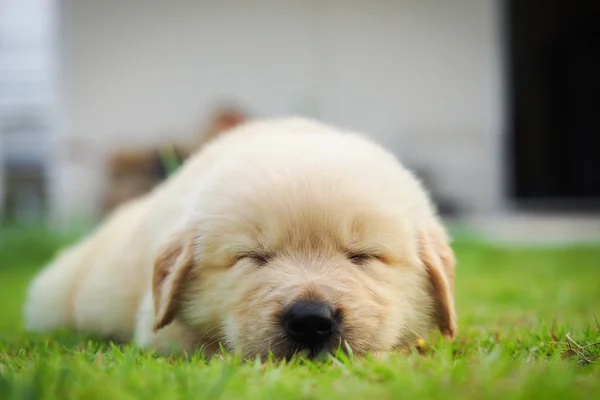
134 173
23 159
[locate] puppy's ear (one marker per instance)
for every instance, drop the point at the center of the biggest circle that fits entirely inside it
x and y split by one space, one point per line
438 258
172 266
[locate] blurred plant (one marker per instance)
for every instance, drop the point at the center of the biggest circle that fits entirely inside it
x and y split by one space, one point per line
169 159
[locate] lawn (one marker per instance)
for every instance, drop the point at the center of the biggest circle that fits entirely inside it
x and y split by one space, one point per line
517 310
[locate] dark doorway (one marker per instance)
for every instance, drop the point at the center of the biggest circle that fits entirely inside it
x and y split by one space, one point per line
554 78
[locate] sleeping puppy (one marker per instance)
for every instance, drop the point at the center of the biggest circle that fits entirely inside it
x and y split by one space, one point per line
283 236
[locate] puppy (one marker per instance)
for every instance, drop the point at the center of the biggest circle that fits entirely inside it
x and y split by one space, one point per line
283 236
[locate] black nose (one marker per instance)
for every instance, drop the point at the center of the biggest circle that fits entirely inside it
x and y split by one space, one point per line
309 323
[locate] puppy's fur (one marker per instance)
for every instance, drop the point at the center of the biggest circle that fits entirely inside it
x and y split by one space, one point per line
276 212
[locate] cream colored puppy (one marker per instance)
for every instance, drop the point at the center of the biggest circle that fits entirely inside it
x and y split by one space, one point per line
284 235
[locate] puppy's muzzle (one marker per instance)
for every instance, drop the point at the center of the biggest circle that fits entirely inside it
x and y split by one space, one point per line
310 323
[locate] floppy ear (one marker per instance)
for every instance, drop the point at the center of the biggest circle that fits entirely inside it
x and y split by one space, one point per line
172 266
439 261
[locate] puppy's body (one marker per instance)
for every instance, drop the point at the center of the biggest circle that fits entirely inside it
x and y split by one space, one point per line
271 217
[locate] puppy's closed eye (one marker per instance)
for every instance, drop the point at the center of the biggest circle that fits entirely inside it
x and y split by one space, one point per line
256 258
361 258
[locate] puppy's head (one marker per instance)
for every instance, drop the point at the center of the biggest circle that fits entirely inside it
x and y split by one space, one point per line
291 259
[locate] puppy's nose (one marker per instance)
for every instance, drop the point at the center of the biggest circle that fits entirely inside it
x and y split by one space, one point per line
309 323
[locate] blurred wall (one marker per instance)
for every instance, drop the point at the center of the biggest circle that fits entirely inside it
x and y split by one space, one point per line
423 77
27 105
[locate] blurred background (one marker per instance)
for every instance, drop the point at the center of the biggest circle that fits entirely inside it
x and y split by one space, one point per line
493 103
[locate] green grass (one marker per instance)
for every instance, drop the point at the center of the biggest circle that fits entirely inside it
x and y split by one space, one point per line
516 307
